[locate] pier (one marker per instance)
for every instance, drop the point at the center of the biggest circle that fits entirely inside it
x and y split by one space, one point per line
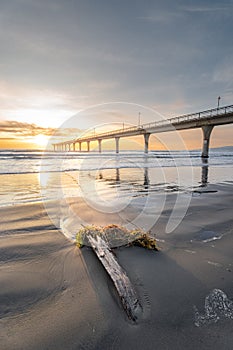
206 120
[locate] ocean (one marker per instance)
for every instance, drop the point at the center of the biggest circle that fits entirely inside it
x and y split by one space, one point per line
29 176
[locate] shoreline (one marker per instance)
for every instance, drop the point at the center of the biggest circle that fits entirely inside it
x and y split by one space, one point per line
57 296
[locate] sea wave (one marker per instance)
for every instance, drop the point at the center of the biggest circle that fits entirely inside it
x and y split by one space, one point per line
23 162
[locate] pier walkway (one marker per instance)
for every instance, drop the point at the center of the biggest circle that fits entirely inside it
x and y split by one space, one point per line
206 120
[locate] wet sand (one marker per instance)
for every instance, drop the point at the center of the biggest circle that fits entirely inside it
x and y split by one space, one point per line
56 296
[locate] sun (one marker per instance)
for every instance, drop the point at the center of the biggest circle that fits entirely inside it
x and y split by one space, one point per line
40 140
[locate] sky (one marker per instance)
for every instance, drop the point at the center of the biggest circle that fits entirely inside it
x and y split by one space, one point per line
61 58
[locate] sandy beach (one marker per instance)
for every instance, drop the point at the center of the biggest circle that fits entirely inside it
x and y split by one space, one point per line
116 175
56 296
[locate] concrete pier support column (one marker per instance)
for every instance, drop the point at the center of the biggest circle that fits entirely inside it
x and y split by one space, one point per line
117 139
74 146
100 149
88 146
146 142
207 129
80 146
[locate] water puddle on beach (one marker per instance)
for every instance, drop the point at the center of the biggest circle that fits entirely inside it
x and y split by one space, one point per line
207 236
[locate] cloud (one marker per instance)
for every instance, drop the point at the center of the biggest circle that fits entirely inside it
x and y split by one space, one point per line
16 130
162 17
211 8
59 57
68 132
19 129
16 96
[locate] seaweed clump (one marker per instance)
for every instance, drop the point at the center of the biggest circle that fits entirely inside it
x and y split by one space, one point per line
116 236
146 241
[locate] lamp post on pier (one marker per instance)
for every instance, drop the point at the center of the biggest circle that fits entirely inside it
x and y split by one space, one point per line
139 118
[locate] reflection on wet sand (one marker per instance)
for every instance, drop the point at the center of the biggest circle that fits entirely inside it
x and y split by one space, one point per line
146 179
146 182
204 173
118 175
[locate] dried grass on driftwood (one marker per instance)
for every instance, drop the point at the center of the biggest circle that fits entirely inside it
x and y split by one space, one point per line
116 236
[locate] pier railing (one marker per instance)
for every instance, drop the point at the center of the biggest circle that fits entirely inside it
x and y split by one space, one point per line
210 113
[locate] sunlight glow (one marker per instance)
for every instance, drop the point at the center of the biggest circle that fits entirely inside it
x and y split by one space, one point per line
40 140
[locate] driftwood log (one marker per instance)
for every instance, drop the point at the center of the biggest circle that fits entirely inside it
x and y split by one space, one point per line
121 281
